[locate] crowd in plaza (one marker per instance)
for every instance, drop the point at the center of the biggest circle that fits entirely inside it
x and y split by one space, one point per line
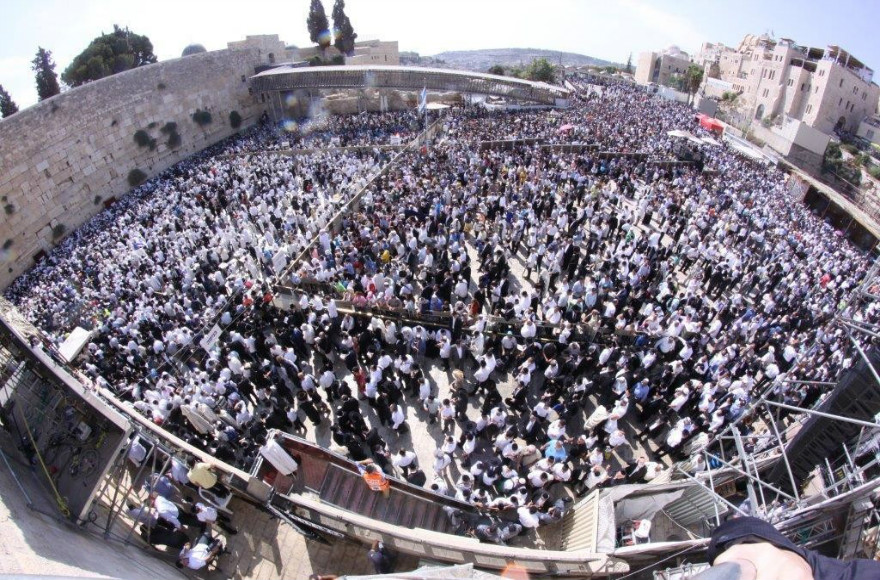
591 318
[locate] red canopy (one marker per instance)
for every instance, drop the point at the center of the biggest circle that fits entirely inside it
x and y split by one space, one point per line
711 124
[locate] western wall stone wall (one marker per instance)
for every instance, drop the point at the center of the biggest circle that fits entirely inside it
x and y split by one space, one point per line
63 159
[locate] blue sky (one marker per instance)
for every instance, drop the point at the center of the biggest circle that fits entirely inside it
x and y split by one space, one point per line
608 29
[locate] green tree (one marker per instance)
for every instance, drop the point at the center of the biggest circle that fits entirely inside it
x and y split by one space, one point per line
629 64
7 105
693 76
343 32
496 69
109 54
540 69
193 49
47 80
319 32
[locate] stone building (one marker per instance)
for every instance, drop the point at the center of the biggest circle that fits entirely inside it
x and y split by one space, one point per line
366 52
869 129
827 89
660 67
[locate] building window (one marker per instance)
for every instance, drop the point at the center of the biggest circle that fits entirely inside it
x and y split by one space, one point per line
840 102
803 86
766 92
809 108
841 84
790 82
817 90
821 73
855 90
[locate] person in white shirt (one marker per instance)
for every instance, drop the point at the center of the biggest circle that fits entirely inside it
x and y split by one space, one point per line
528 517
441 462
398 416
198 556
617 438
405 461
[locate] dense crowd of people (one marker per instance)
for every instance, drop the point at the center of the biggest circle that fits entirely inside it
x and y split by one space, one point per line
560 321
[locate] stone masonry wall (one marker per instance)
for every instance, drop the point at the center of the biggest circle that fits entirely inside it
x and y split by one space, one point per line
64 158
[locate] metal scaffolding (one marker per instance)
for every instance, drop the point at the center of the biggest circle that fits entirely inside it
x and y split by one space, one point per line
806 509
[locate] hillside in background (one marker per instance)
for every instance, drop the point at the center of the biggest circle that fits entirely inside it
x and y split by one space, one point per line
481 60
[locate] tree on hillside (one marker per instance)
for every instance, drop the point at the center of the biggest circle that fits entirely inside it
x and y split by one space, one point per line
496 69
47 80
540 69
7 105
629 64
319 28
193 49
343 32
109 54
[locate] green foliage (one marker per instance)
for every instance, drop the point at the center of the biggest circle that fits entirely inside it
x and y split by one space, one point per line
693 77
235 119
847 170
193 49
7 105
169 129
540 69
58 231
849 148
337 59
319 27
863 159
47 80
136 177
496 69
202 118
343 32
143 139
610 69
850 172
729 96
874 171
629 64
109 54
833 151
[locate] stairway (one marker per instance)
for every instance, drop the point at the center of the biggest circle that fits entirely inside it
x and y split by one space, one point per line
851 542
347 490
